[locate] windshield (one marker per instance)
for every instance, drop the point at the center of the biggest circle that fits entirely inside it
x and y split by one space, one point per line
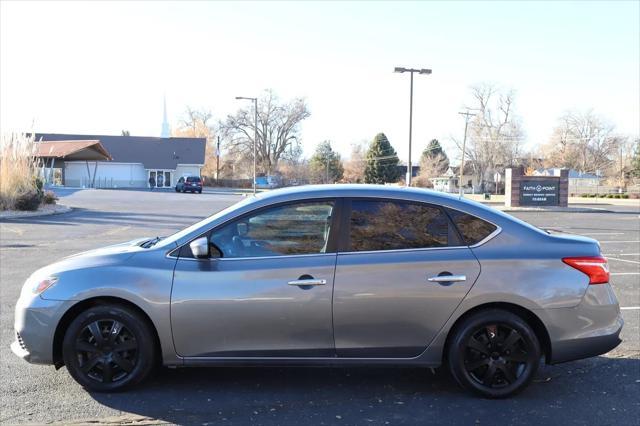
183 233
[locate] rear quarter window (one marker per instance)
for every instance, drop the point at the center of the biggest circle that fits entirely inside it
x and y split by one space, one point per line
472 229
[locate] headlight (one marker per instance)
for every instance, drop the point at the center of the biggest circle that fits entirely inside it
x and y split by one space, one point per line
41 285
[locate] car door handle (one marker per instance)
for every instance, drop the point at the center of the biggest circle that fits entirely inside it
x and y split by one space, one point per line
306 282
447 278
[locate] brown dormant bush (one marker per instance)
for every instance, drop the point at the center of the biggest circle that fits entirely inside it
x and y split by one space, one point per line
18 171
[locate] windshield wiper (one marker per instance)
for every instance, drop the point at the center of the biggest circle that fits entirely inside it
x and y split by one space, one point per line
151 242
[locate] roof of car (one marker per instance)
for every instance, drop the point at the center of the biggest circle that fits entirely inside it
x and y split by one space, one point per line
348 190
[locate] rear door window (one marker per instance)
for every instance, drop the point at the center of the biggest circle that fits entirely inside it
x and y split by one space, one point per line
472 229
397 225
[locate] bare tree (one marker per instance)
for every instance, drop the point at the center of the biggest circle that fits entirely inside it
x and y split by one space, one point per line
355 165
278 131
196 123
583 141
495 133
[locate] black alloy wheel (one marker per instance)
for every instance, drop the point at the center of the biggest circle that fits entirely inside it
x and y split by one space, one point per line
494 353
107 351
107 348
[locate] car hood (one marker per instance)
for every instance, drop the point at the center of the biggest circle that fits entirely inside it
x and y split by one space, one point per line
109 255
120 248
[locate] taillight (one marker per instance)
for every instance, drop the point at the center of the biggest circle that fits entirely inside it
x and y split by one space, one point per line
595 267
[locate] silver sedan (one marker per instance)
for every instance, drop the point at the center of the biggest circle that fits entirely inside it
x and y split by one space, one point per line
327 275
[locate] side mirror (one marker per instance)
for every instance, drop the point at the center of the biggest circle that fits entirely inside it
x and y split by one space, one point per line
200 248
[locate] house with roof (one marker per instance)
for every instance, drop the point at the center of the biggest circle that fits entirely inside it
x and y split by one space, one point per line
448 181
102 161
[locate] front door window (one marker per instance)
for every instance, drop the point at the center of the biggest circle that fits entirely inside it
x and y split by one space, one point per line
161 178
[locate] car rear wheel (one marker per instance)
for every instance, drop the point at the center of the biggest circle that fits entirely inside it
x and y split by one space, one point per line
107 348
494 353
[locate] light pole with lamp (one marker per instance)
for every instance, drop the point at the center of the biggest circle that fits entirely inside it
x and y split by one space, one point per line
255 135
411 71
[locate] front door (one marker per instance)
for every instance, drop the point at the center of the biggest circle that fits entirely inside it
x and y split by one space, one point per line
392 294
161 179
266 291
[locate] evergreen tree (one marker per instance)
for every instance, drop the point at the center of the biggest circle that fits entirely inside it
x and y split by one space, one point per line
434 160
326 164
382 162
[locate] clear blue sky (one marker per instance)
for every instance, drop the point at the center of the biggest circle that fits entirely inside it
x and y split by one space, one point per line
103 67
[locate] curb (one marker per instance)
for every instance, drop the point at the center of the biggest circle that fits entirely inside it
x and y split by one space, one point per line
58 209
554 210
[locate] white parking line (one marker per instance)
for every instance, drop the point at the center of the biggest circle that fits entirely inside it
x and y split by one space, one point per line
624 260
603 233
629 308
629 241
623 254
625 273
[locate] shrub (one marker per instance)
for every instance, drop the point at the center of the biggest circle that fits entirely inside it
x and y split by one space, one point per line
584 195
625 196
49 197
29 200
19 187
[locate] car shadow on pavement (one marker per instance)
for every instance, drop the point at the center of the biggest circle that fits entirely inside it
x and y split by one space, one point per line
368 395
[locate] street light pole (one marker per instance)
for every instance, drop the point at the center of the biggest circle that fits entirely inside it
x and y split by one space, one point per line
255 136
411 71
466 114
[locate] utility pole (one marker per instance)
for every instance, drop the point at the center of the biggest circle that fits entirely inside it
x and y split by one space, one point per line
255 136
621 169
218 161
410 71
467 116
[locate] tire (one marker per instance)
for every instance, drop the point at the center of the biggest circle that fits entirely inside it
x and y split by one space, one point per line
177 190
494 353
114 360
200 191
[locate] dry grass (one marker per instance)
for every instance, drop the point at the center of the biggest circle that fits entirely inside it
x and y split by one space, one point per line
18 168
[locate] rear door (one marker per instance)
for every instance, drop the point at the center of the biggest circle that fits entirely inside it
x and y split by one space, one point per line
402 271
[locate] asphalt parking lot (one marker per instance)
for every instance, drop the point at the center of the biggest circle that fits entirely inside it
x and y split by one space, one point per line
600 390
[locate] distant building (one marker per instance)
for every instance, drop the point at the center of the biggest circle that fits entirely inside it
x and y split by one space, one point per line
576 179
448 181
102 161
402 170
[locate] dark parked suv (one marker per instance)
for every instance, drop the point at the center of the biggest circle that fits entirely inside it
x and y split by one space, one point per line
189 183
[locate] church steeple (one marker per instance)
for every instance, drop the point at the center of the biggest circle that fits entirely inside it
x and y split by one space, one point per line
166 132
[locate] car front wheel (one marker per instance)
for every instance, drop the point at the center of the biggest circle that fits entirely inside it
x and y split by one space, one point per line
108 347
494 353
